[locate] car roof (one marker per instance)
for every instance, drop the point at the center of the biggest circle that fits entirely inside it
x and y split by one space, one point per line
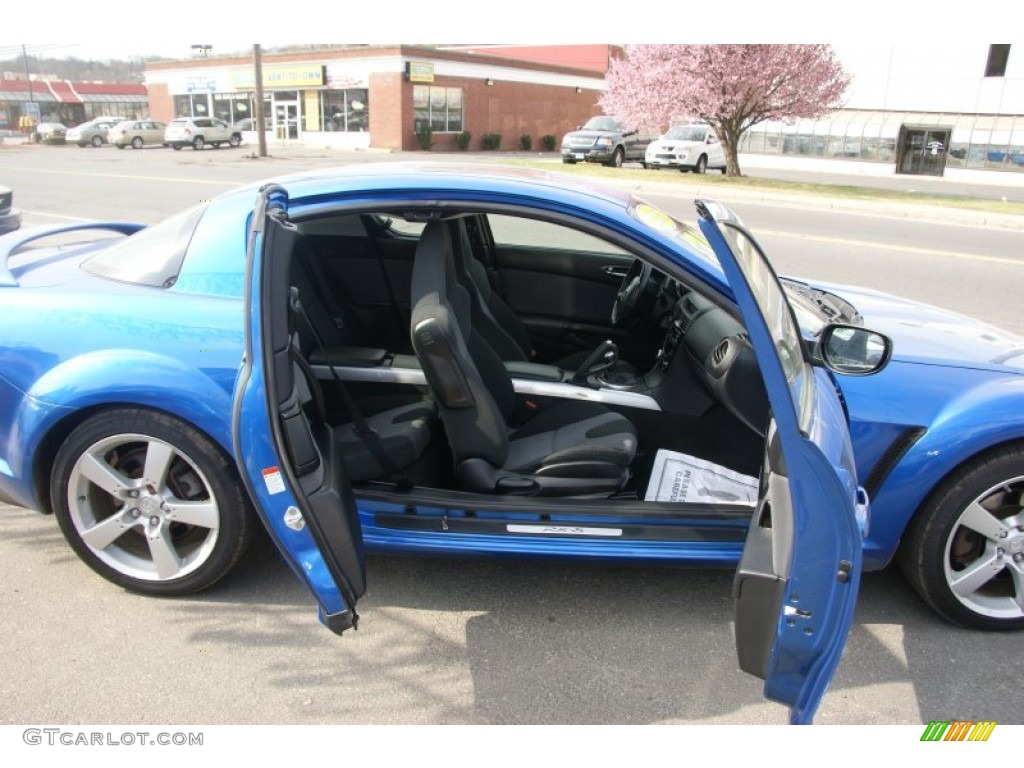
396 177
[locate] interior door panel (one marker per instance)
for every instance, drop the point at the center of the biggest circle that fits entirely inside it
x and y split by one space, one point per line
565 298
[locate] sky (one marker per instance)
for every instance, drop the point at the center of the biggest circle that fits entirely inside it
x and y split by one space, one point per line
465 21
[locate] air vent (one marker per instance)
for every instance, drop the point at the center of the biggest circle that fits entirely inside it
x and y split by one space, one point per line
718 356
685 322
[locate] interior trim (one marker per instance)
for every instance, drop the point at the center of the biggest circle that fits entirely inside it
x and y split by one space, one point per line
416 377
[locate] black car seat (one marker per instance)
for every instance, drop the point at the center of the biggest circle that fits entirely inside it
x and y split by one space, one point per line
571 448
494 318
402 433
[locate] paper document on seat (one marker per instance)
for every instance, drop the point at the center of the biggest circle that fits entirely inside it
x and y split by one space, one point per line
688 480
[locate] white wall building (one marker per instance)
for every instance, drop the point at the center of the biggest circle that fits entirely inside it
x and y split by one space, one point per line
917 109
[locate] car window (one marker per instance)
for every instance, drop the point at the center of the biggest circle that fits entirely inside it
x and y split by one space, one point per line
602 123
531 233
151 256
771 300
688 133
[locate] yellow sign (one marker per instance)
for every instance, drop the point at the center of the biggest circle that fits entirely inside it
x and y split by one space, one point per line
420 71
280 77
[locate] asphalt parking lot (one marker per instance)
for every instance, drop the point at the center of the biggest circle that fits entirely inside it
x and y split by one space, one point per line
501 642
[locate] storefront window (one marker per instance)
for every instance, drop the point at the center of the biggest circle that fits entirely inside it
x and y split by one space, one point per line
192 105
345 110
134 110
231 107
440 108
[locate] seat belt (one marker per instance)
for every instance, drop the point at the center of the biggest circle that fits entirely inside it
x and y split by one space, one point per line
321 287
363 430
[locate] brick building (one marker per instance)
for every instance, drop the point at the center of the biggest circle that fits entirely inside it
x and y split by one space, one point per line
363 97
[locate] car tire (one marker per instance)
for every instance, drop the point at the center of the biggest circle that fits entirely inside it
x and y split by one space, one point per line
97 141
119 146
702 164
645 166
198 142
131 530
137 142
176 147
568 162
617 157
235 140
974 578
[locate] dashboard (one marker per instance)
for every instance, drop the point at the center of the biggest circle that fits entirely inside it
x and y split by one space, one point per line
715 347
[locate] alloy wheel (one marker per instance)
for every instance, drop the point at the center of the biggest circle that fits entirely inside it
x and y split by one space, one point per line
983 560
143 508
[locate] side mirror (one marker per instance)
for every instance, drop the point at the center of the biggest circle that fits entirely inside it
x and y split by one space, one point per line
854 351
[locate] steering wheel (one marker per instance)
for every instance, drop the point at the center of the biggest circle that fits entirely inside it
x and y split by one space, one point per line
636 293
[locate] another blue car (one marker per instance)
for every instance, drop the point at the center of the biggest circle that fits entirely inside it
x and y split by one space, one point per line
424 359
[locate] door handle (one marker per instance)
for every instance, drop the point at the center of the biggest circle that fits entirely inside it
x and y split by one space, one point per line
619 272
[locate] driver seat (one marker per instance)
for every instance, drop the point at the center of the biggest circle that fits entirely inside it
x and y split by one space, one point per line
572 448
495 320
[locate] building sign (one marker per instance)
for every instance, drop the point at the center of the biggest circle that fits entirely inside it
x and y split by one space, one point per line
419 71
282 76
203 83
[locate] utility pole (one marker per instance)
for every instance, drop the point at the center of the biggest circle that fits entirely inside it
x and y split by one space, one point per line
261 134
28 77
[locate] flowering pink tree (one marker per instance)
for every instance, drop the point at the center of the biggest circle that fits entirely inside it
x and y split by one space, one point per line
730 87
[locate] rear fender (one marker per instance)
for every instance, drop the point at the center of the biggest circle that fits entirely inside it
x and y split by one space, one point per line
127 378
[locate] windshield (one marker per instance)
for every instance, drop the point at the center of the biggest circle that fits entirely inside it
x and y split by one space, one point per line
151 256
687 133
689 237
815 308
602 124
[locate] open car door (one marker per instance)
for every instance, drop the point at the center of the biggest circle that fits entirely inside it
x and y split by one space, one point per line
287 459
796 585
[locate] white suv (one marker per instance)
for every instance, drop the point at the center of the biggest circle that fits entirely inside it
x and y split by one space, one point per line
200 131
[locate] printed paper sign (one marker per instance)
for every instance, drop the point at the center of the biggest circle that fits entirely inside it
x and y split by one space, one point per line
685 479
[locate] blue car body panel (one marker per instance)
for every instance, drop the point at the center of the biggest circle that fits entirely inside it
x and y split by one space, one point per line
179 350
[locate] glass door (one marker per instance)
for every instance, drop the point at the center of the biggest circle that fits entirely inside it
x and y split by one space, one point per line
286 120
922 151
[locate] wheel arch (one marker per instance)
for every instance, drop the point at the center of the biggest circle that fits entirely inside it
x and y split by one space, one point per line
81 387
908 490
58 433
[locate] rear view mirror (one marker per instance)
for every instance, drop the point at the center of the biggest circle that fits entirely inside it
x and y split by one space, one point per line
853 350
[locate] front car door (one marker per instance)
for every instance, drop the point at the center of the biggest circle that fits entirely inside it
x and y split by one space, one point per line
288 461
796 585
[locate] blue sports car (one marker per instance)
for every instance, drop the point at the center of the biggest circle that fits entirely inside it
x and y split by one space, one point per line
451 361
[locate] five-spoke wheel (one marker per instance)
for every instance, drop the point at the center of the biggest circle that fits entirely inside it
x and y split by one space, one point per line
965 551
149 502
